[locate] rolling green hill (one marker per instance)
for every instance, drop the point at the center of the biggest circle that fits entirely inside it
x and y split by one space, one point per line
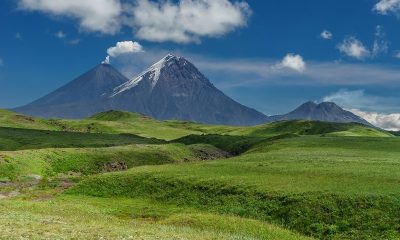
184 180
85 161
17 139
102 218
114 122
320 186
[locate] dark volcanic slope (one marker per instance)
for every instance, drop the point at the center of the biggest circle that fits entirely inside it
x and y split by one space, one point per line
80 98
174 88
326 111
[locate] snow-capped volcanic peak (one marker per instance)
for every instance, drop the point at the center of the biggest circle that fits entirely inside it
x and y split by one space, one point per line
171 89
155 70
152 74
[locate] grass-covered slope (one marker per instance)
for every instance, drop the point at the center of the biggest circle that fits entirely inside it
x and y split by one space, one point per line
115 122
293 127
118 116
17 138
51 162
102 218
111 122
326 180
240 140
14 120
317 214
328 187
301 127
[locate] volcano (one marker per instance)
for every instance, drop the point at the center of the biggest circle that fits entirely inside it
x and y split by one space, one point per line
171 89
325 111
79 98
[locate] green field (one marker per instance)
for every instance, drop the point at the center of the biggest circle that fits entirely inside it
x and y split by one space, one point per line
132 177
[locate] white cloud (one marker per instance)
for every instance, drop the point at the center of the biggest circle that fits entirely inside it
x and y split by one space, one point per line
18 36
124 47
397 54
74 41
351 99
385 7
187 20
359 99
60 34
180 21
346 74
353 47
293 62
385 121
381 45
93 15
253 72
326 35
63 36
106 61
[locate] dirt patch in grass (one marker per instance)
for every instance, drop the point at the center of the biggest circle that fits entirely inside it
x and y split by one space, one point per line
115 166
5 195
208 152
24 118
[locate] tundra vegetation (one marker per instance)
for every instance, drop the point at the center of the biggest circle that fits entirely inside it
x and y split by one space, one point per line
121 175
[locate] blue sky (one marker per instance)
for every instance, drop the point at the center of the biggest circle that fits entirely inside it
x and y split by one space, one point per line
270 55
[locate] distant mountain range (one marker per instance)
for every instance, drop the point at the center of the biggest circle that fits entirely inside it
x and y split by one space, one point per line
326 112
172 88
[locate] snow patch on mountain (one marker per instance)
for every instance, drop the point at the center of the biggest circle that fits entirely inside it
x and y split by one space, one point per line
126 86
152 74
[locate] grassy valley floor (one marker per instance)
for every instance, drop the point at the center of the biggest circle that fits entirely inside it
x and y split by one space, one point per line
121 175
78 217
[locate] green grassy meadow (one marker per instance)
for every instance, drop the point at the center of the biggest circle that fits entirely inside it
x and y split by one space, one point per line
131 177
